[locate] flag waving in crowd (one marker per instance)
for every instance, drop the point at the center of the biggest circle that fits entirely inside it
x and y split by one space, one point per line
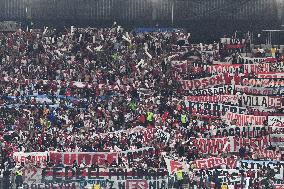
122 109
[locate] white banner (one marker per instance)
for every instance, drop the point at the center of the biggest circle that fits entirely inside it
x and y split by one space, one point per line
257 90
104 177
263 101
276 121
32 158
277 166
223 90
243 120
270 75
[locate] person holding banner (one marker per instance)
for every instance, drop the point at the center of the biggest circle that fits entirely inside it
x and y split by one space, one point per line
87 96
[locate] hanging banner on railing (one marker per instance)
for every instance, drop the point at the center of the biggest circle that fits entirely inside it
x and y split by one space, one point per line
244 120
257 90
268 154
222 90
213 162
138 154
33 158
271 75
212 109
238 68
224 68
118 178
277 139
88 158
228 144
277 166
214 99
203 82
240 131
264 101
261 82
256 68
276 121
248 60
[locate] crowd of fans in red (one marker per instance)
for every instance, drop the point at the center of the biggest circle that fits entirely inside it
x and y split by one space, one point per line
64 91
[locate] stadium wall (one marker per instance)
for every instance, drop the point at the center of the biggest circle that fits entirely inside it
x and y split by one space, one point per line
216 16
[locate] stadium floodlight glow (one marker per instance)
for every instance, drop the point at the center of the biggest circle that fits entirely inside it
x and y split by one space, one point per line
272 30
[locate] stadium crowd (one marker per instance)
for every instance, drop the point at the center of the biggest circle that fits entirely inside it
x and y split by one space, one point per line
82 89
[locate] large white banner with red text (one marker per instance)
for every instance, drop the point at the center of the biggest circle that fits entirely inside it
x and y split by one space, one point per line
245 120
34 158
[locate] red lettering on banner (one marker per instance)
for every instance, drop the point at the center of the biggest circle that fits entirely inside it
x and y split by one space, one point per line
196 83
88 158
213 99
252 143
211 146
186 84
271 75
195 142
38 158
56 157
200 164
219 79
243 119
227 143
219 161
258 140
99 158
210 162
236 143
246 141
69 159
211 81
231 163
111 157
269 154
219 145
205 83
175 165
202 145
84 158
264 141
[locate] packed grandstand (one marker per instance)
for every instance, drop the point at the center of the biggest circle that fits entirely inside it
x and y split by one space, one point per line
117 109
